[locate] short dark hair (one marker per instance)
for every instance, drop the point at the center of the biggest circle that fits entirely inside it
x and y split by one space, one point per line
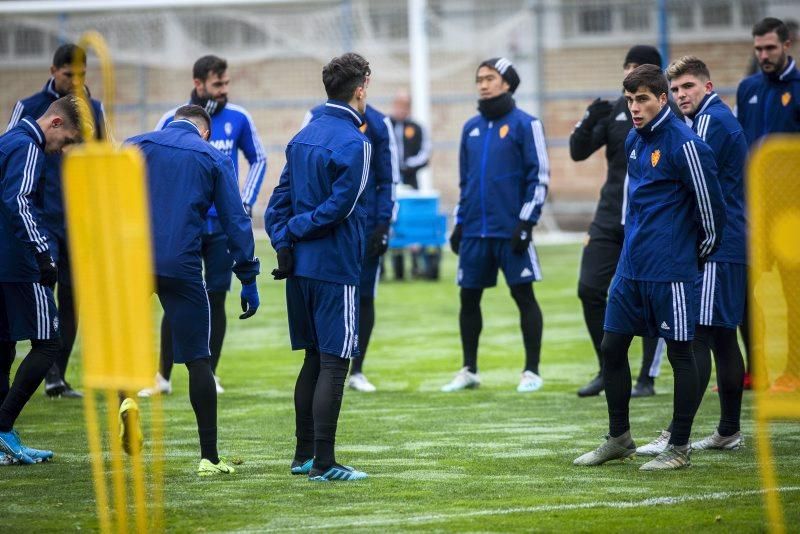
344 74
66 55
771 24
208 64
648 76
69 109
193 111
691 65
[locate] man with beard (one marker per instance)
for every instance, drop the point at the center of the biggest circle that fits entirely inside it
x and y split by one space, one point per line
232 130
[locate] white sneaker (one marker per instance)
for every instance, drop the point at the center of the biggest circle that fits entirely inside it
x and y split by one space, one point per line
163 386
657 446
530 382
359 382
464 379
220 389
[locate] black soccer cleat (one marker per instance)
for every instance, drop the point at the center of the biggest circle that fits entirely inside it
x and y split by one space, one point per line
643 390
593 388
61 388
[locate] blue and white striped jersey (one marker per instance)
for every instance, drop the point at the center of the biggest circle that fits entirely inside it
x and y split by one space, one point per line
21 174
232 130
676 211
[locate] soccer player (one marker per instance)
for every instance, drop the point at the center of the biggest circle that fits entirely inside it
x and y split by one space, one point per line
232 131
315 221
721 287
186 176
414 153
768 102
673 224
59 85
27 269
504 173
606 124
379 194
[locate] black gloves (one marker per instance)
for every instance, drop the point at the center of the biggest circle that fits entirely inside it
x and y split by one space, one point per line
378 241
599 109
285 264
522 237
48 272
455 238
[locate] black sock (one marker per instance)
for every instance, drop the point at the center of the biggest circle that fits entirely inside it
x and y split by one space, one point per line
531 324
617 377
744 328
203 396
366 322
649 348
30 374
327 403
398 265
219 324
684 370
730 377
593 302
167 354
470 324
304 406
701 347
68 325
7 353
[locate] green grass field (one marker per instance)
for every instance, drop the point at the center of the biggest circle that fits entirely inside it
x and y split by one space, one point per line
484 460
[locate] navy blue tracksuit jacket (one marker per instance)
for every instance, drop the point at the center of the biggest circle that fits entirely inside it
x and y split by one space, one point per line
504 174
185 176
318 206
676 211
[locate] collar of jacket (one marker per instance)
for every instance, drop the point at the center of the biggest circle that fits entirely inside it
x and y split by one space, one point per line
340 109
209 104
50 89
184 124
784 75
707 101
33 130
652 127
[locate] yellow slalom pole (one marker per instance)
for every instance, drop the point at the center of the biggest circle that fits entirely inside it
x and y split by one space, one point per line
96 456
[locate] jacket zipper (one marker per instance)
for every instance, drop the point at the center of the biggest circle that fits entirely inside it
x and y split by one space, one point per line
484 158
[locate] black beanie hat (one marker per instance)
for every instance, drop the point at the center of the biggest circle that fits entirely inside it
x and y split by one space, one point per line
643 55
506 70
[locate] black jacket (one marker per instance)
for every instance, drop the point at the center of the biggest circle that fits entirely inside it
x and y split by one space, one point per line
414 147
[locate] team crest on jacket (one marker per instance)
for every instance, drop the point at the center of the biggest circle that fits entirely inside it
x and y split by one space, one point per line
654 157
409 132
228 129
786 98
503 131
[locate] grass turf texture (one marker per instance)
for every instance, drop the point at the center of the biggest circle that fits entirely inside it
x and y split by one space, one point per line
484 460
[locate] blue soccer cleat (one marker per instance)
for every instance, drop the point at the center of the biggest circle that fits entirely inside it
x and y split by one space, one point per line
336 472
302 468
11 445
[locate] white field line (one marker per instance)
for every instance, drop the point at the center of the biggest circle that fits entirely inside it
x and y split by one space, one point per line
395 521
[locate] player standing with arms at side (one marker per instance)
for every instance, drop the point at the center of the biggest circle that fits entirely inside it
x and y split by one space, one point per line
27 270
672 177
721 287
504 173
185 177
768 102
232 131
60 84
315 221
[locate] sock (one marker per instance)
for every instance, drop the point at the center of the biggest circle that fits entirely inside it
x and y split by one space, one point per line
29 376
219 324
327 404
531 323
470 324
684 370
398 265
304 406
167 354
7 353
730 377
366 322
68 324
617 377
649 348
203 396
593 302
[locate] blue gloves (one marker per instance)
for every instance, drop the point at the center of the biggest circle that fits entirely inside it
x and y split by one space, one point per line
250 300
